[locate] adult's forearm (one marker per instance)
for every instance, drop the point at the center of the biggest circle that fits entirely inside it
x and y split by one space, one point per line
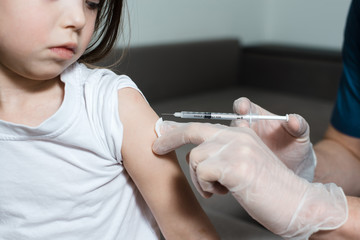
351 228
335 164
338 161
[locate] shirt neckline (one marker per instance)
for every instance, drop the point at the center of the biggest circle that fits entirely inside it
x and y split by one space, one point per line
59 121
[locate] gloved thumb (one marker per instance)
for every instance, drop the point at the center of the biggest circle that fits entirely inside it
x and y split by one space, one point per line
297 126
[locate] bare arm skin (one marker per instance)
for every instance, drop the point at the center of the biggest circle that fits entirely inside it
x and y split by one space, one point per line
339 162
159 178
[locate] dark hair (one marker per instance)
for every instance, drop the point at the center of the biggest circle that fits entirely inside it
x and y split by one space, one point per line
107 28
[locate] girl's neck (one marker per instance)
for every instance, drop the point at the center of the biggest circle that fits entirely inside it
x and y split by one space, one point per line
30 102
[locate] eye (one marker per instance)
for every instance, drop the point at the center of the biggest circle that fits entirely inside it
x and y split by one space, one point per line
93 5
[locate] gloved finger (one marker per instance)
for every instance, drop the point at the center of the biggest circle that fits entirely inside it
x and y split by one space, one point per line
240 123
209 176
197 185
194 179
228 162
297 126
241 106
206 188
195 157
244 106
174 135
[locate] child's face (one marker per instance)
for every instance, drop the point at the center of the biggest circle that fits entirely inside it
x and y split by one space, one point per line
40 38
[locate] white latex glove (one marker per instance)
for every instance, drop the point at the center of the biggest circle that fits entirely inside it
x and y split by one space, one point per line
237 159
290 141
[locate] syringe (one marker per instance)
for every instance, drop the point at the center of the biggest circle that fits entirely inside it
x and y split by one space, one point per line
226 116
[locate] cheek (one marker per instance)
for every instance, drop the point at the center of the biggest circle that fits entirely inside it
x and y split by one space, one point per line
23 42
87 36
28 32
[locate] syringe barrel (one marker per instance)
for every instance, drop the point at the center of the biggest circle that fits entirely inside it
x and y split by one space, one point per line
209 115
227 116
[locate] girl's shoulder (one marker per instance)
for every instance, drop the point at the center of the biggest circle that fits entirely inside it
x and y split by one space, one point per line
98 88
100 78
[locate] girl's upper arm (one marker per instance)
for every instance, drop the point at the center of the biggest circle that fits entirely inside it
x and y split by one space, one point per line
159 178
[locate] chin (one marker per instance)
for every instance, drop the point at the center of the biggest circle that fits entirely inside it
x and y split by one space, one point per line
48 71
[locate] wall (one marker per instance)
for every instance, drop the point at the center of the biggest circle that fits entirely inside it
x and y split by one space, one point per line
300 22
318 23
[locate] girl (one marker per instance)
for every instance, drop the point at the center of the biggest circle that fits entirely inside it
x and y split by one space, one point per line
75 143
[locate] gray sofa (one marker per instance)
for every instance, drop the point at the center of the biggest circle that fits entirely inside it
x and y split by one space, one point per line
210 75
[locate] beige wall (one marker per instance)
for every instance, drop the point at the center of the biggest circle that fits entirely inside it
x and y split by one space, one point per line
300 22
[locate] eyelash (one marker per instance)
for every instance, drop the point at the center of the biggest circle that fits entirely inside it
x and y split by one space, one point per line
93 5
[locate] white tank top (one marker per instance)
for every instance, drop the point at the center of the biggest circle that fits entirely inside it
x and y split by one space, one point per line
64 180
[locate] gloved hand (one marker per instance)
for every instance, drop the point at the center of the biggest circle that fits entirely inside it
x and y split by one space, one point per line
290 141
237 159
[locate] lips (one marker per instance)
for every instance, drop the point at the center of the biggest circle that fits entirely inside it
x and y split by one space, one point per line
65 52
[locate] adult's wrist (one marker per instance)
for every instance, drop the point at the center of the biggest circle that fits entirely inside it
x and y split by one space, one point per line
323 207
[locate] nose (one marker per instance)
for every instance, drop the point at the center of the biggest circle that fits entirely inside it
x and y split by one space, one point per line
74 15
